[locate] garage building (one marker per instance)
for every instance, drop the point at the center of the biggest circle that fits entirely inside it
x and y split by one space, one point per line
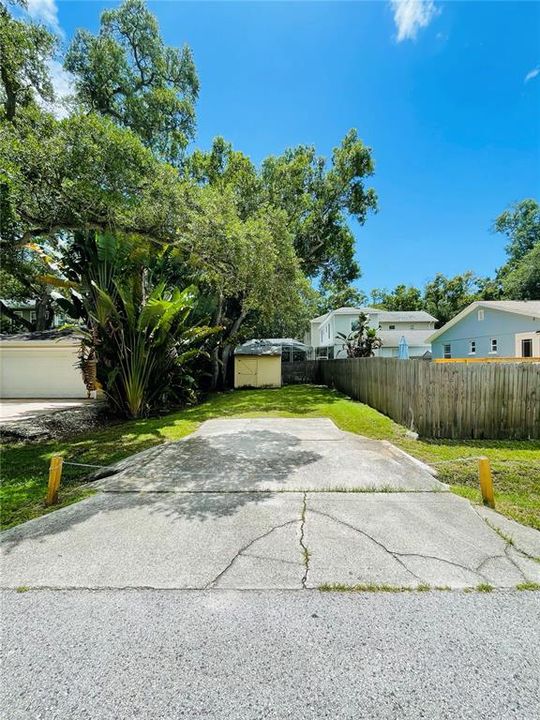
41 365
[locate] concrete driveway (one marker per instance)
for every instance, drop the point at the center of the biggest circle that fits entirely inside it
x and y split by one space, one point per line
28 408
270 504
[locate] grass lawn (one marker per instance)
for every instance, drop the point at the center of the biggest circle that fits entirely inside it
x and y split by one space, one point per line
24 467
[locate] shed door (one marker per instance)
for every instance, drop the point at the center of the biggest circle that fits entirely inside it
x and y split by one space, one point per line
246 371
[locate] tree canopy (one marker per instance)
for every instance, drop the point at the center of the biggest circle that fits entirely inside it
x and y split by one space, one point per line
318 199
25 51
127 73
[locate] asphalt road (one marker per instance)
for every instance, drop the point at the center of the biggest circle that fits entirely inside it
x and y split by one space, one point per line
157 654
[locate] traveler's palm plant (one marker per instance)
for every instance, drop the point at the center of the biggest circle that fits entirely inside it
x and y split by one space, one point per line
361 342
142 339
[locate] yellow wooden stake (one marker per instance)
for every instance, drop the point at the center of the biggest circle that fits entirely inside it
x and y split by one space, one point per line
486 482
55 474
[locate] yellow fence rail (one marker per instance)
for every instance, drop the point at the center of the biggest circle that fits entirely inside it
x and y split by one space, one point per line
441 361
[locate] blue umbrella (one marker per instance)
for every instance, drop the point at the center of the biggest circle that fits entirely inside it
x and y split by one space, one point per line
403 349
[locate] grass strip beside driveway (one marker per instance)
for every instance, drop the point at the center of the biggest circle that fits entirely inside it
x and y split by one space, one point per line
24 468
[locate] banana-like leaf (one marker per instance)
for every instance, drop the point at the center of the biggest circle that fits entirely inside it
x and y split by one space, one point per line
57 282
107 247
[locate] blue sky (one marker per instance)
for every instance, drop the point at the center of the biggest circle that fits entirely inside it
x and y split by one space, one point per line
446 94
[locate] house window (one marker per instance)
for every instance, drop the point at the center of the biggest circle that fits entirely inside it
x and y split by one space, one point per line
391 327
480 314
447 351
526 347
355 325
33 316
472 347
322 336
411 327
494 346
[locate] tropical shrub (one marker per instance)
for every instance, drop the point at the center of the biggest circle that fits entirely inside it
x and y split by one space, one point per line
362 341
142 339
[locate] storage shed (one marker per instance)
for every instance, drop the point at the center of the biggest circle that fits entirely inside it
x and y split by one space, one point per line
257 363
41 365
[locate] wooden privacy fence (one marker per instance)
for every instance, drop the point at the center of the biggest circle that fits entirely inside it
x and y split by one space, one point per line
498 401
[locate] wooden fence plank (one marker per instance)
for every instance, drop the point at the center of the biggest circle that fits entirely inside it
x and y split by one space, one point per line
451 400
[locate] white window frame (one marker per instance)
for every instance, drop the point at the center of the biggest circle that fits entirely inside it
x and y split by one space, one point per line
447 353
391 327
481 314
494 343
529 340
472 347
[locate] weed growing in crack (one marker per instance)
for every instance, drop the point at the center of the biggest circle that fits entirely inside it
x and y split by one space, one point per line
372 587
528 586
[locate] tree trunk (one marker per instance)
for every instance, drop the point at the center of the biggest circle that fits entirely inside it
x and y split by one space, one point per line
10 102
44 313
214 355
228 347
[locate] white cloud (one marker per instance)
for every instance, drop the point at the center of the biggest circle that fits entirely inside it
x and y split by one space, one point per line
46 12
411 15
532 73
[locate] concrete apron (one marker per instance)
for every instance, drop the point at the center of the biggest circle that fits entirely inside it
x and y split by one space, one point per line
281 504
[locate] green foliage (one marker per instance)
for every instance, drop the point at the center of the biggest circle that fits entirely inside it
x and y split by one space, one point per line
25 50
128 74
402 297
523 281
519 277
336 294
81 172
362 341
521 225
317 200
446 297
142 338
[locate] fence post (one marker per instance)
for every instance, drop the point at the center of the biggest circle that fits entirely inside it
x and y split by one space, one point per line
55 474
486 482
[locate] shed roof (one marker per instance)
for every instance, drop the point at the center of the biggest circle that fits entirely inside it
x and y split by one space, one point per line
258 347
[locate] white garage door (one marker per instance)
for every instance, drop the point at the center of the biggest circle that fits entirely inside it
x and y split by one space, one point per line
46 370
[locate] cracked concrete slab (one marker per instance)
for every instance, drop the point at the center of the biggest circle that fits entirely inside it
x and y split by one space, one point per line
161 541
205 513
271 455
526 539
402 539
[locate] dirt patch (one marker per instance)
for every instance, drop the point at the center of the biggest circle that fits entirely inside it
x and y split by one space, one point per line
57 424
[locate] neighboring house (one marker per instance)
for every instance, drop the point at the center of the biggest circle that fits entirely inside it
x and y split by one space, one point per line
491 329
41 365
415 326
26 310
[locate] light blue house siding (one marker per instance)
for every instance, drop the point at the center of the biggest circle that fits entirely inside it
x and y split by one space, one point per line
497 325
